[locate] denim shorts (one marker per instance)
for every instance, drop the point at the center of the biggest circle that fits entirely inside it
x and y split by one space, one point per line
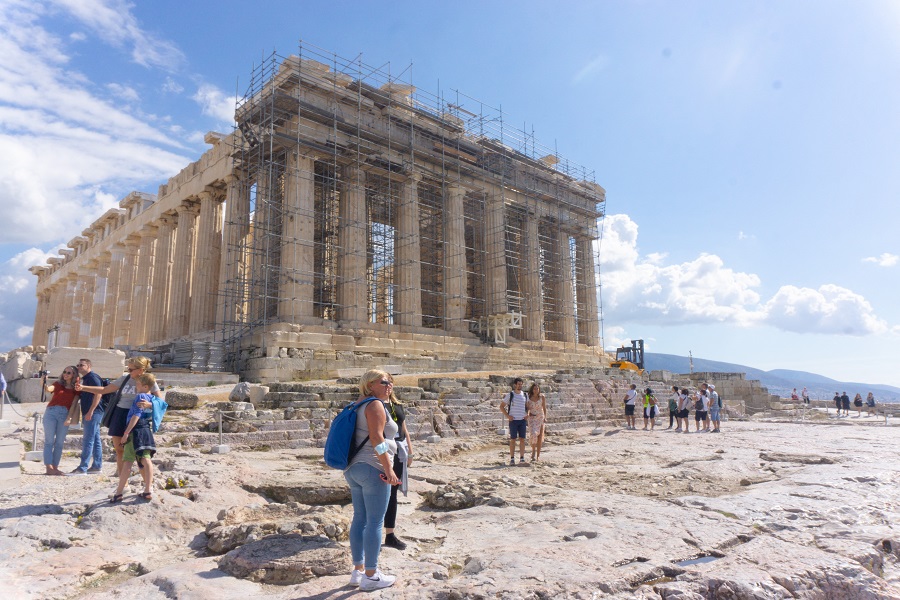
517 429
714 414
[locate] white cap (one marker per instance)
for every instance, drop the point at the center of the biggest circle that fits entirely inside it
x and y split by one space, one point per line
712 387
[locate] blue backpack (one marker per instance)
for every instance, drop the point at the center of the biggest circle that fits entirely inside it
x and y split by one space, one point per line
339 446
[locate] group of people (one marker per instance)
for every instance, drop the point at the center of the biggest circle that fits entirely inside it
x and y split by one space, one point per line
526 413
379 469
77 395
842 404
375 474
705 402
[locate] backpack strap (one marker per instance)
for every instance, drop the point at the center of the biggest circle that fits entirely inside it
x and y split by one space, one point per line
359 405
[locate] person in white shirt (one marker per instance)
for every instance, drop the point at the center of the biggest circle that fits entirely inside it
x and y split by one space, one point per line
513 408
630 399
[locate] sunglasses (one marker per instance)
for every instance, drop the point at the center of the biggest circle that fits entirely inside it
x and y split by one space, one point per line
68 372
386 382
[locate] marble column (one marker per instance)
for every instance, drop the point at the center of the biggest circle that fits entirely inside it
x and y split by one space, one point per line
142 289
122 333
157 314
41 316
57 294
88 280
266 239
408 255
98 318
77 310
586 285
297 274
205 285
495 282
67 324
232 294
455 277
532 294
111 303
352 240
565 294
182 271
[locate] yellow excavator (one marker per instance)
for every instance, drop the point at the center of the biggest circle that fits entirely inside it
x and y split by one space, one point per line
630 358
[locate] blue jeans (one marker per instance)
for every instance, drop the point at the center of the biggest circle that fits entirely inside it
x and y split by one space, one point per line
91 445
370 499
54 434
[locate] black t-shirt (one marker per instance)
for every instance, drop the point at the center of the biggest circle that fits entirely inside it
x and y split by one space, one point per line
399 417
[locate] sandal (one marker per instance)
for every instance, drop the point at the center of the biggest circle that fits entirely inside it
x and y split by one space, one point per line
146 495
116 498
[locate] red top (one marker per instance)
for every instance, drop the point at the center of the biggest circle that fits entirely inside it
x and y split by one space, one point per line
62 396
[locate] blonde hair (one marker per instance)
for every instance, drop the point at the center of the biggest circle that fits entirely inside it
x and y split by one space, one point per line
138 362
147 379
370 377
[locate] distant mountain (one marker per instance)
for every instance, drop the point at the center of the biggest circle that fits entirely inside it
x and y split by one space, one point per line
778 381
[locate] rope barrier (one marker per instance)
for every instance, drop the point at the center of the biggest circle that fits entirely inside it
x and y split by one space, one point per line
6 401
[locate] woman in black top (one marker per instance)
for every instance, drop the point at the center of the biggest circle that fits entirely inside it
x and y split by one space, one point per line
398 414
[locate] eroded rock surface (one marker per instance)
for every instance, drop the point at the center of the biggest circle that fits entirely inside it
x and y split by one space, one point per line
611 515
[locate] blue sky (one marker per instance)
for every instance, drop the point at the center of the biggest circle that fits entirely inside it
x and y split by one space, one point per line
749 149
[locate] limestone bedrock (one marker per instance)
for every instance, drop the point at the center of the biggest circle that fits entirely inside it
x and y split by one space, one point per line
782 510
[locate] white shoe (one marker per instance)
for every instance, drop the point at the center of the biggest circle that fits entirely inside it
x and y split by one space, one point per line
356 577
377 581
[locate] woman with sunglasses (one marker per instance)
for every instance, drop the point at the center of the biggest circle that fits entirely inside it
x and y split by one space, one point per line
370 476
116 417
56 418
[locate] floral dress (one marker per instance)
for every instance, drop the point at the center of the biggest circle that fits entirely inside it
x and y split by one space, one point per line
535 416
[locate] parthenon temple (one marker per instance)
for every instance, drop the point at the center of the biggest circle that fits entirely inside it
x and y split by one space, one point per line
348 220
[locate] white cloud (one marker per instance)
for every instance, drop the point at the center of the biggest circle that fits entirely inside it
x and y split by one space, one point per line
67 151
113 22
704 290
172 87
745 236
593 66
127 93
215 103
17 300
885 260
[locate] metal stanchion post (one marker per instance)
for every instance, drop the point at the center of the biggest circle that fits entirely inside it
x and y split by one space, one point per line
221 448
34 454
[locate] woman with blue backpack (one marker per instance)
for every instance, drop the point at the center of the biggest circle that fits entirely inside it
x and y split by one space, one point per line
370 475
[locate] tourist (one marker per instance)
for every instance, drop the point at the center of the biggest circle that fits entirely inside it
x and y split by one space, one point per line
56 418
837 403
402 461
513 408
684 406
845 404
858 403
370 475
673 409
805 396
794 396
715 405
701 406
629 399
650 409
91 444
537 413
116 416
870 404
138 435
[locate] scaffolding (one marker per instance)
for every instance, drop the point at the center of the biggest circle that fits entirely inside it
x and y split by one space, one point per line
368 202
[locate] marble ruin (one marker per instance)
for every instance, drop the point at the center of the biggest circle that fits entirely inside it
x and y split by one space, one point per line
349 220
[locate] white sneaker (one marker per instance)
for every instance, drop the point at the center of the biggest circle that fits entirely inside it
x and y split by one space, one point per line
377 581
356 577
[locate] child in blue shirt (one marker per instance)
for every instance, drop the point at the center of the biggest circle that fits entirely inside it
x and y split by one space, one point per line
140 445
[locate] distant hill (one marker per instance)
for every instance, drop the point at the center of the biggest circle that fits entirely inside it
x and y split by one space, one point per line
778 381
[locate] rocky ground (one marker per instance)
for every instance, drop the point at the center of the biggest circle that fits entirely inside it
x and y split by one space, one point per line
771 510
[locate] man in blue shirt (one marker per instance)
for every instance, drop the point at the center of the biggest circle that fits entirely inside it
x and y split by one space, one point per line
91 445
